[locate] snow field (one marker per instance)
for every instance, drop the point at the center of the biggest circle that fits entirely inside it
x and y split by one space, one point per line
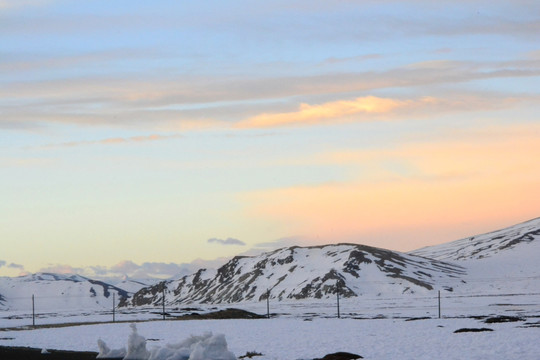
287 338
453 304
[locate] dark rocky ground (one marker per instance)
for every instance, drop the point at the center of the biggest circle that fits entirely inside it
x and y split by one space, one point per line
230 313
25 353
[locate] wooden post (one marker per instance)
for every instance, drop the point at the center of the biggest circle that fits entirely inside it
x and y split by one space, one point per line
163 299
33 312
439 304
337 293
268 303
113 305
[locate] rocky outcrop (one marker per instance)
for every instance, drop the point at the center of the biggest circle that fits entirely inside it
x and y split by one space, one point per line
304 273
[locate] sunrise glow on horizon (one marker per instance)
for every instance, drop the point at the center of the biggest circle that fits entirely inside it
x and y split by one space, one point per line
173 132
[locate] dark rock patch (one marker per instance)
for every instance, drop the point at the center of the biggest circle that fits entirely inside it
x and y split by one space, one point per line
230 313
531 325
26 353
418 318
250 354
340 356
503 319
190 309
471 330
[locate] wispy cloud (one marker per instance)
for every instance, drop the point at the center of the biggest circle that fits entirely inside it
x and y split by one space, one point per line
336 110
12 268
62 269
228 241
16 266
124 268
148 269
23 62
202 101
281 243
336 60
14 4
117 140
372 108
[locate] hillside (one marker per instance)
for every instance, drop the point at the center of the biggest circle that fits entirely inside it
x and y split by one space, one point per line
57 292
306 272
502 261
485 245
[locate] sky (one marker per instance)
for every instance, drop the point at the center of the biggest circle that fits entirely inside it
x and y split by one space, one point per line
153 137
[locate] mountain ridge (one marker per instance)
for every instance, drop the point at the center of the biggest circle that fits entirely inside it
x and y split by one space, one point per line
483 245
51 290
500 260
305 272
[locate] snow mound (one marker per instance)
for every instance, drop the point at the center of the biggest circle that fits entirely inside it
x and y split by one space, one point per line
136 346
203 347
106 353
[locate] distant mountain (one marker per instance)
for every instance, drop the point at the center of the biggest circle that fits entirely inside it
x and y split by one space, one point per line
306 272
133 285
55 292
485 245
502 261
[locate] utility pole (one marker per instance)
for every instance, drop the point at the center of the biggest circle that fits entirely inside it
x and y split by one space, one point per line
33 312
439 304
268 303
337 293
163 299
113 305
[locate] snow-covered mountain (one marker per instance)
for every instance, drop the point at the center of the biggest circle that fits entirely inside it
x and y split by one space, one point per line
502 261
57 292
133 285
485 245
306 272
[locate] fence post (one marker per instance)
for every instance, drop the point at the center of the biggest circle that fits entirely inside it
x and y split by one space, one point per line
113 305
163 299
268 303
337 293
439 304
33 312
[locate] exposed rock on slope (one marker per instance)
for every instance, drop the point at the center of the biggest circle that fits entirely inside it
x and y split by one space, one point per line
305 272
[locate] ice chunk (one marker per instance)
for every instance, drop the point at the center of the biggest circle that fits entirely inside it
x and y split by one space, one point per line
106 352
213 348
201 347
136 346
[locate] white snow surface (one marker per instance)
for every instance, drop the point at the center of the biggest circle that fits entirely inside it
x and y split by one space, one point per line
501 277
56 291
293 338
503 261
307 272
484 245
131 285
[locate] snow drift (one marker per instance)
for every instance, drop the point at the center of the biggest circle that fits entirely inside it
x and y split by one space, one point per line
203 347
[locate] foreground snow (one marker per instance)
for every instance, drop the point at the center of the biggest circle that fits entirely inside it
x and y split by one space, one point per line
203 347
289 338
